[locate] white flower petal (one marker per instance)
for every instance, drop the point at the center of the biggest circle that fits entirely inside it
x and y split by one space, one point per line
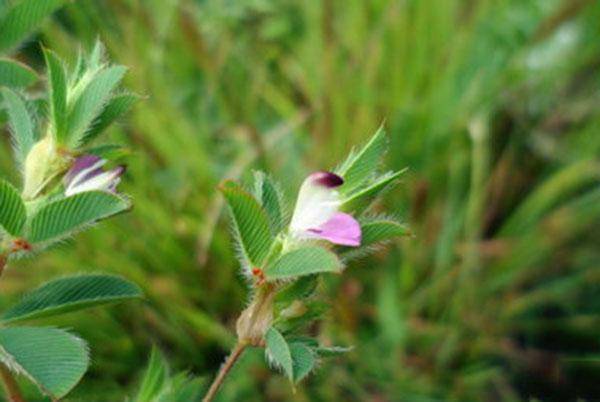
318 201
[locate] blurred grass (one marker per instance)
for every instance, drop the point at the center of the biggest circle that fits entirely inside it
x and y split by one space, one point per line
492 104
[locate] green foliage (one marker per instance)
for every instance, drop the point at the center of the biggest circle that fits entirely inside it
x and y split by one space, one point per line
21 125
63 217
303 360
313 310
14 74
377 230
251 224
57 88
362 198
53 359
22 18
461 307
12 209
154 379
159 386
71 294
269 195
303 261
278 351
301 288
89 104
114 109
361 165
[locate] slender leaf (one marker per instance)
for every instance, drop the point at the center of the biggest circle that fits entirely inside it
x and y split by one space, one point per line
270 198
15 75
90 103
61 218
21 125
12 209
70 294
22 19
183 388
53 359
362 198
360 166
57 81
155 378
382 229
116 107
304 261
251 224
279 352
303 360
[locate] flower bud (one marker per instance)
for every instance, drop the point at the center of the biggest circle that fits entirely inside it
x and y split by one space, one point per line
41 165
256 319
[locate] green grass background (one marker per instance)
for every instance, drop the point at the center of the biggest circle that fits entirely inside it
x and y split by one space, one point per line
494 105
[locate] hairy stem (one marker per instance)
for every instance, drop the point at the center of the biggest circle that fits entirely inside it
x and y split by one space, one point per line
225 368
13 392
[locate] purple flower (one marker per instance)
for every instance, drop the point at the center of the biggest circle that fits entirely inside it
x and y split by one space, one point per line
316 214
87 174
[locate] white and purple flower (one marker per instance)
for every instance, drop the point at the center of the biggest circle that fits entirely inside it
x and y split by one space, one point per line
87 174
317 212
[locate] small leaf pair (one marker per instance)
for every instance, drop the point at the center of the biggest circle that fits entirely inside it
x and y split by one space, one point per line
54 359
57 219
295 359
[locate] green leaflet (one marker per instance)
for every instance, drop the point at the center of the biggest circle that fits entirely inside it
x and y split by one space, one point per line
116 107
382 229
154 379
15 75
21 124
89 104
303 261
360 166
12 209
303 360
359 200
251 224
279 352
61 218
53 359
300 289
22 18
57 82
269 196
70 294
315 310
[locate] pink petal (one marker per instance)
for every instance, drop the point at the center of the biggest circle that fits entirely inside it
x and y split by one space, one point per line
341 229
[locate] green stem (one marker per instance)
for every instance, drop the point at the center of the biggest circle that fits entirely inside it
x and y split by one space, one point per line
225 369
13 392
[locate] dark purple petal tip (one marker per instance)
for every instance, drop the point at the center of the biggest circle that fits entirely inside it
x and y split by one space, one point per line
84 162
327 179
80 164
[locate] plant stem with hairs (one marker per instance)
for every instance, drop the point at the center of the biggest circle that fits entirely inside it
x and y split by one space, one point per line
251 327
225 368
